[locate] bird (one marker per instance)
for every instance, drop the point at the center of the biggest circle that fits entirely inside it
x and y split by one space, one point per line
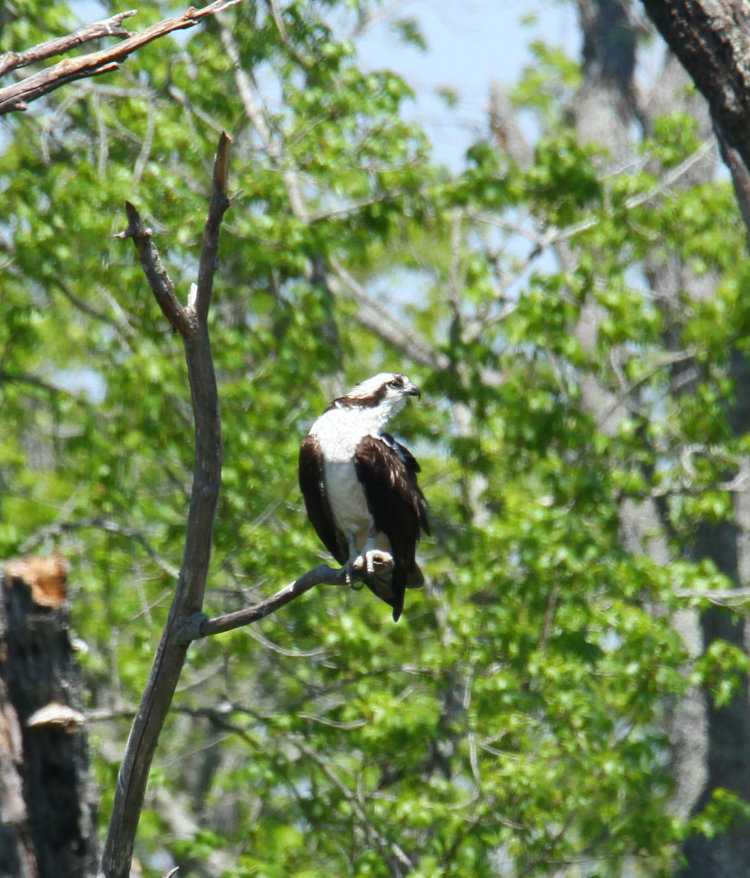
360 486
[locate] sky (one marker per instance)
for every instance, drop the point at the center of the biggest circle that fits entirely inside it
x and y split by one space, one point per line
470 43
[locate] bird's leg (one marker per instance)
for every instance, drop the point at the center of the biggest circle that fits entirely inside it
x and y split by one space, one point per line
368 551
353 555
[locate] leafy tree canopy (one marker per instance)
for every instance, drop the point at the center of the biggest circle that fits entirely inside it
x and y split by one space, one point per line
518 716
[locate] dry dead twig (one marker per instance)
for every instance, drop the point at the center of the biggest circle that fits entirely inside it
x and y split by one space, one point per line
19 95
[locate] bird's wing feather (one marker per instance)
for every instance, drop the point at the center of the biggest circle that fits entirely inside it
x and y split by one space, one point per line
388 474
409 482
312 485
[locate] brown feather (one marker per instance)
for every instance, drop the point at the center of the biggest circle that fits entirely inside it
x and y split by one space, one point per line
388 473
312 485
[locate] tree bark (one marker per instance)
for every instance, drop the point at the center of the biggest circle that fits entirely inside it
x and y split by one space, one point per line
18 860
711 743
728 756
191 321
710 39
47 799
605 102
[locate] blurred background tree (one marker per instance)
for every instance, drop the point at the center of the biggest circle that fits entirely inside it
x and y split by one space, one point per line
569 694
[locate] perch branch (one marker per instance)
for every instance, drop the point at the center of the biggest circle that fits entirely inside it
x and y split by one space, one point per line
18 95
200 625
188 599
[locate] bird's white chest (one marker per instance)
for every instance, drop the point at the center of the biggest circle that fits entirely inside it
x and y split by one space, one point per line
346 496
339 432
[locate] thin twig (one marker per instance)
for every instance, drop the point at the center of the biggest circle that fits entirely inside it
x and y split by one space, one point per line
108 525
357 806
627 390
402 336
120 323
737 599
34 381
556 235
255 113
304 63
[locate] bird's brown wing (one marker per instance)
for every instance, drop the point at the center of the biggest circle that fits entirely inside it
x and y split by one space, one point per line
312 485
388 474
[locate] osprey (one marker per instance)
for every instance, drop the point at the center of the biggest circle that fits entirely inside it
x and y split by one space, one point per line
360 485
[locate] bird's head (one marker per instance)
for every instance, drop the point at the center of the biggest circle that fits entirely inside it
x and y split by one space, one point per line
386 391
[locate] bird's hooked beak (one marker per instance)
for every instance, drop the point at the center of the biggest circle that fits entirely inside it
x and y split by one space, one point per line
412 390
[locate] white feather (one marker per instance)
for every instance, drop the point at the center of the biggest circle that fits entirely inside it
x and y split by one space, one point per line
339 431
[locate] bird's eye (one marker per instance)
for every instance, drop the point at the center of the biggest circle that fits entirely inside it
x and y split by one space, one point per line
395 384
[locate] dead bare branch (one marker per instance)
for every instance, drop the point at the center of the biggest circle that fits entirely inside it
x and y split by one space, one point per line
158 279
191 322
109 27
220 201
18 95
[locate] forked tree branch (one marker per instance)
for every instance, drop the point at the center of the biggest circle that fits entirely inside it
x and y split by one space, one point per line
191 322
18 95
158 279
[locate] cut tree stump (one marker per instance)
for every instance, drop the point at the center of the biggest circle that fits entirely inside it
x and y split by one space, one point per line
47 799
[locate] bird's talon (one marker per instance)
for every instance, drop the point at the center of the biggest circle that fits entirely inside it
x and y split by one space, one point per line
348 567
370 562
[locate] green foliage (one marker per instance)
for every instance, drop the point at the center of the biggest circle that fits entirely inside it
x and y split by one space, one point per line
410 32
724 809
674 139
548 84
516 719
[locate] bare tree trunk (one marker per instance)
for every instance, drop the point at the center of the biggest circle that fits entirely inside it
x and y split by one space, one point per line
710 39
191 321
712 744
728 757
17 860
48 802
